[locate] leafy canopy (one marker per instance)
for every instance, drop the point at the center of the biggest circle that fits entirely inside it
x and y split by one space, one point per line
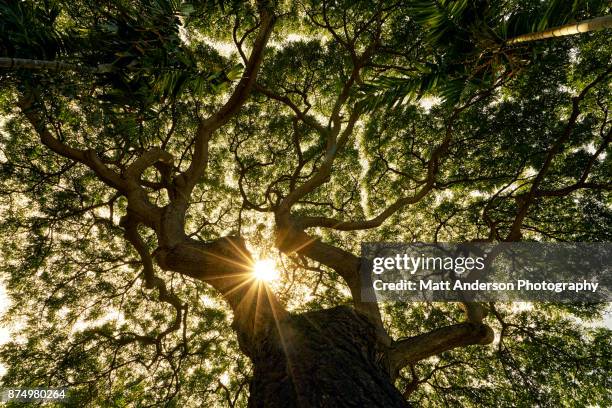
411 76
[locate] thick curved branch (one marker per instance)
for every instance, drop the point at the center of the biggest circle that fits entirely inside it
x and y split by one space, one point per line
146 160
226 264
413 349
86 157
290 240
126 185
137 199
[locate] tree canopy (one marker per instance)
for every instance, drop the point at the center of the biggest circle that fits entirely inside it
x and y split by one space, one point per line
152 150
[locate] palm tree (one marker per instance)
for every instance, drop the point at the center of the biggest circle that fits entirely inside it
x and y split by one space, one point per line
481 42
593 24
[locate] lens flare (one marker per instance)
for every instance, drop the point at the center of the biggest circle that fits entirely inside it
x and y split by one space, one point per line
265 270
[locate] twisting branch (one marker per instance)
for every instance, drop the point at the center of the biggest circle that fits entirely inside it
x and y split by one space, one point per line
207 127
151 282
86 157
301 115
146 160
326 222
336 137
127 184
582 182
335 143
291 238
239 42
427 183
529 197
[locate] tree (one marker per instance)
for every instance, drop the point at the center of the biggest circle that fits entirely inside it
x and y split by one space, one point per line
145 170
568 29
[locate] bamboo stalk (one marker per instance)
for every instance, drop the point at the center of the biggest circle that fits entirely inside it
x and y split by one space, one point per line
598 23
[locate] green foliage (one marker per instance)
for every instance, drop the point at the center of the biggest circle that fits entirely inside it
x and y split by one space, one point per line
27 30
134 49
472 36
75 285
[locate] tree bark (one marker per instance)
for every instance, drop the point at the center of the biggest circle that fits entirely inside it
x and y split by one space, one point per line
326 358
336 357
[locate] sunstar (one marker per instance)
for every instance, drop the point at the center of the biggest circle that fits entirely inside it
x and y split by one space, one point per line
265 270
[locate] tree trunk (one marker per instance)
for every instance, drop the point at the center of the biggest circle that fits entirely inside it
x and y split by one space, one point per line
326 358
594 24
54 65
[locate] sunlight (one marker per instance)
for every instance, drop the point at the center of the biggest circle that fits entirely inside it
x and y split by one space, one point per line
265 270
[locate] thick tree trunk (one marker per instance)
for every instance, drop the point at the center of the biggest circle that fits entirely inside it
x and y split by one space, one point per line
326 358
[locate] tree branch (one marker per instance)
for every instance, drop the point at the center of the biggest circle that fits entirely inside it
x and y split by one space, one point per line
152 281
334 144
413 349
146 160
527 199
86 157
207 127
290 240
226 265
303 116
326 222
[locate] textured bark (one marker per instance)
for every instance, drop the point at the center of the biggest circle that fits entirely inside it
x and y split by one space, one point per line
327 358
